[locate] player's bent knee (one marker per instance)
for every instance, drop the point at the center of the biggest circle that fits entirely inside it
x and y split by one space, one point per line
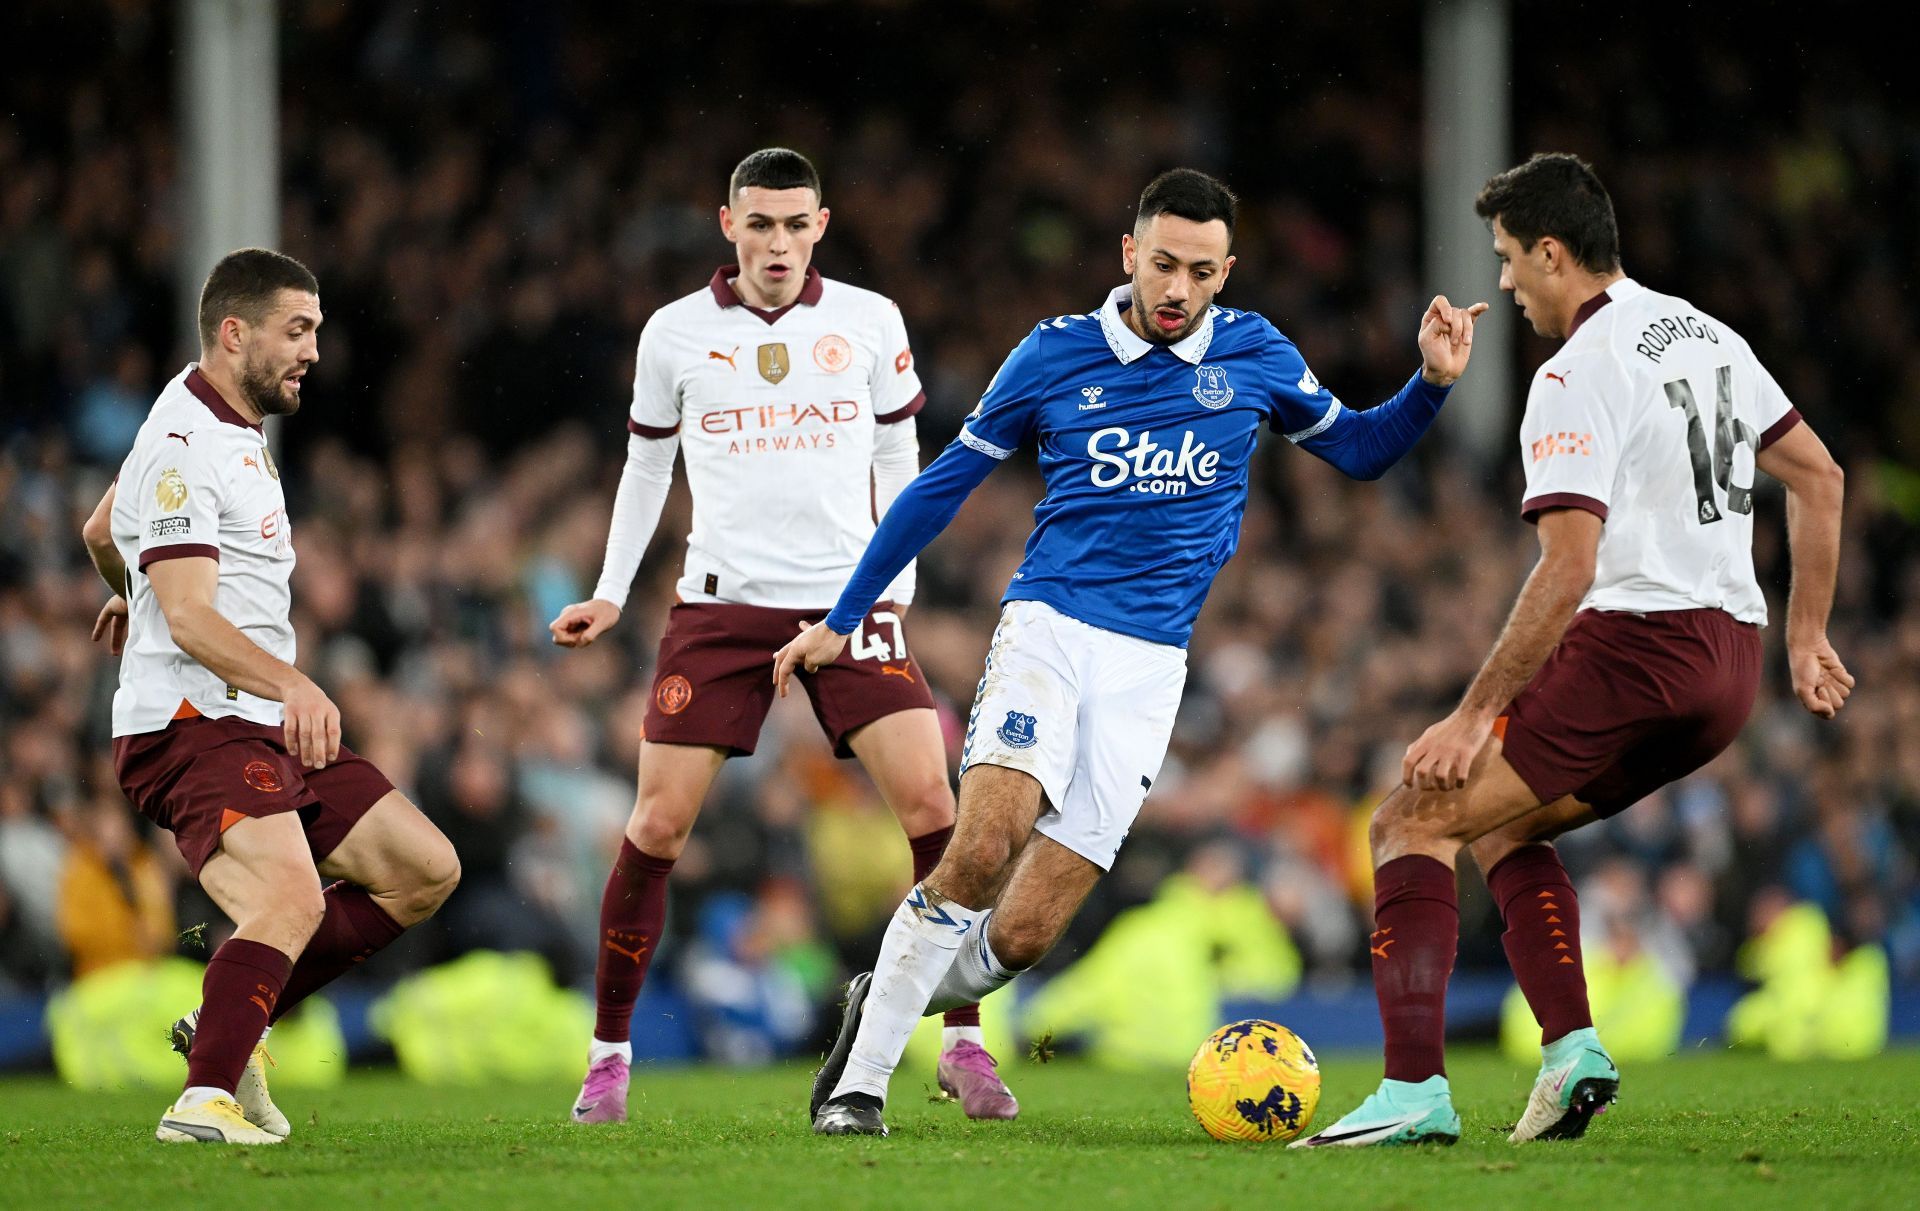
1019 944
661 829
928 809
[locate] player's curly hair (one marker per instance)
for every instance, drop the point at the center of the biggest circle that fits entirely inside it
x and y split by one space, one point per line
1560 195
246 283
1188 193
774 168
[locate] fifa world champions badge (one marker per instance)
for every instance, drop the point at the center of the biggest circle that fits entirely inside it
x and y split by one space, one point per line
1211 388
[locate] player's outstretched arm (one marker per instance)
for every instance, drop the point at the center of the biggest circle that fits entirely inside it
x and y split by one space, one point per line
185 589
1569 545
1816 491
923 509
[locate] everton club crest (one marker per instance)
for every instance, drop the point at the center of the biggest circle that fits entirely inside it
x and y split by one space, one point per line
1017 731
1210 387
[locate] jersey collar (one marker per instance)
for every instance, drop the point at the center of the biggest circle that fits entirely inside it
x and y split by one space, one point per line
1619 292
1129 346
724 294
205 392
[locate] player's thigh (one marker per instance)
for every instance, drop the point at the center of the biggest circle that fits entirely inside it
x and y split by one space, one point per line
1439 822
264 871
672 783
1025 715
874 678
1130 695
1542 824
398 855
713 675
1047 887
992 825
907 759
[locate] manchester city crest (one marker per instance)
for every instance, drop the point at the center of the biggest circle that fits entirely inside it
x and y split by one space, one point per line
1017 731
1211 388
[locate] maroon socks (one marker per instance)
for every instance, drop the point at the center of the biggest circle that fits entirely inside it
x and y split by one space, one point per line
1543 937
1416 931
927 849
353 928
237 998
633 910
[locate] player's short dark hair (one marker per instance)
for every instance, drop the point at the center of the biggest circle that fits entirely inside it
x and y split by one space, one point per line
1560 195
246 283
774 168
1188 193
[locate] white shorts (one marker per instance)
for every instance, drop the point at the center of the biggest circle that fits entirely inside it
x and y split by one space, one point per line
1086 711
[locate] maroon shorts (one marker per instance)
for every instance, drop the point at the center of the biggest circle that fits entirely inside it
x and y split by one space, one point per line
713 680
196 777
1630 702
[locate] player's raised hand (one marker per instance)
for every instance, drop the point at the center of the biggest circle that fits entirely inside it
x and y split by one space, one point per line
818 645
1443 756
1820 681
112 624
1446 340
583 622
312 725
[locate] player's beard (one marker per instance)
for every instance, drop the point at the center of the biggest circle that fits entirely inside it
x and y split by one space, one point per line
1154 335
265 388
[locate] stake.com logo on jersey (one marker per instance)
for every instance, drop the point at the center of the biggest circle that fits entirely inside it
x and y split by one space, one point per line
1153 468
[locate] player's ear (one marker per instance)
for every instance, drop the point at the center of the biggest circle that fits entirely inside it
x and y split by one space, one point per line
1226 271
726 224
820 224
1552 256
233 331
1128 253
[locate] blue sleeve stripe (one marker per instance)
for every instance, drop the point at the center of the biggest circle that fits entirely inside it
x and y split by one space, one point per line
973 442
1332 414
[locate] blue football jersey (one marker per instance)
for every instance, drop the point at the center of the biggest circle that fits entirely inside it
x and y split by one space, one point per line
1145 450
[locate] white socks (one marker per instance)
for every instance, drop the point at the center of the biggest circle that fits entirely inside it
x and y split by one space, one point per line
195 1095
974 974
919 946
600 1051
953 1036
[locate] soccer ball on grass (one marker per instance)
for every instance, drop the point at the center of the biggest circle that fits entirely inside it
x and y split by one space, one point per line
1253 1080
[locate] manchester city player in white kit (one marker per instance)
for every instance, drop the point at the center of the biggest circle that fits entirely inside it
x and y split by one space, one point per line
791 397
218 737
1145 412
1631 658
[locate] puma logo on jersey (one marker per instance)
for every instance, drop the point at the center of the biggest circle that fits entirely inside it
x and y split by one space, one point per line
183 437
1558 378
714 355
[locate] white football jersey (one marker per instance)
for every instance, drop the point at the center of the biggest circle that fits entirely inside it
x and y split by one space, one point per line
199 481
1650 417
776 413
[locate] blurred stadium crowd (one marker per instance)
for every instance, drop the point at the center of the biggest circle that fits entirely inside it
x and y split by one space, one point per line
495 205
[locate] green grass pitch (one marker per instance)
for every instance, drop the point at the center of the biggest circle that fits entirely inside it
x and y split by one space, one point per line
1699 1131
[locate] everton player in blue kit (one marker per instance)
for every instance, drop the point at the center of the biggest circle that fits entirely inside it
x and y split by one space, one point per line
1145 414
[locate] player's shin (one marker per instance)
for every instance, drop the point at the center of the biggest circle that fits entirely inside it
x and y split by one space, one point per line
1542 938
921 942
962 1018
354 928
243 981
974 974
1416 933
633 911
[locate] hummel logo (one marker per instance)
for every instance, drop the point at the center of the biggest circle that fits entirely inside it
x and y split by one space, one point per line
1559 378
1093 395
716 356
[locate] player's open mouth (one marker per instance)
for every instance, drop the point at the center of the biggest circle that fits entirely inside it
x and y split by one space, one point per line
1170 319
778 272
293 382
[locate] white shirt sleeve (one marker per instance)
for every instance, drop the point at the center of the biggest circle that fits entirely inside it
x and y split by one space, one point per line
656 396
178 496
897 393
644 482
1570 437
896 460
